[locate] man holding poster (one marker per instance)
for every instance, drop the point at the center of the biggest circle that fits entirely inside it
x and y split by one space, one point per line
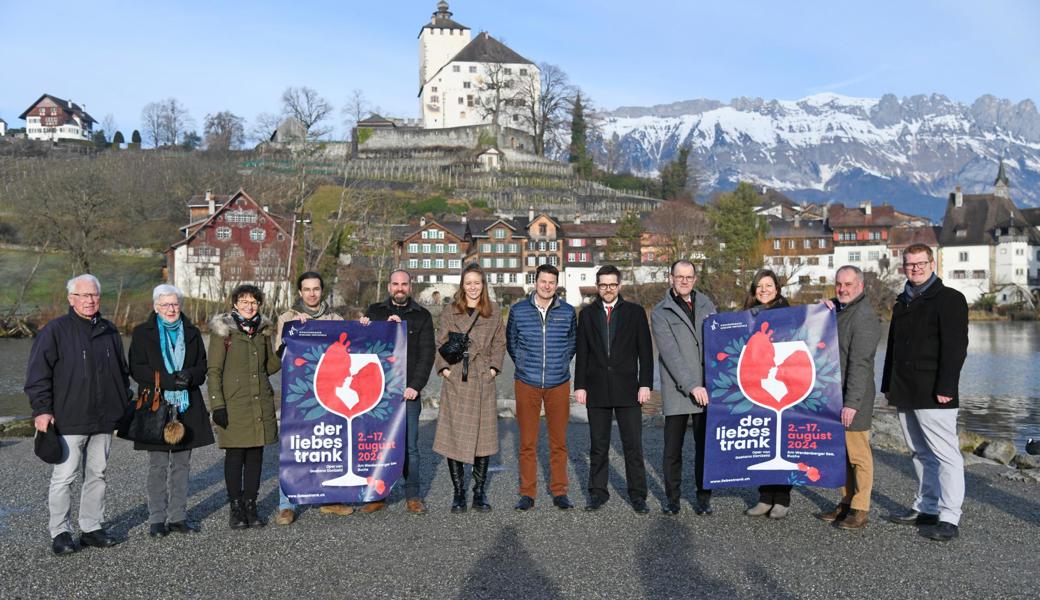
775 386
343 416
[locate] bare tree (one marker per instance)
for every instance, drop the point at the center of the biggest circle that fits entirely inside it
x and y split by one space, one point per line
612 155
310 109
682 229
224 131
546 102
264 126
357 108
175 121
497 90
108 125
152 123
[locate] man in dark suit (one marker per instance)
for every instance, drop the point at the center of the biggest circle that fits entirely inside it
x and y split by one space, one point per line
927 345
613 374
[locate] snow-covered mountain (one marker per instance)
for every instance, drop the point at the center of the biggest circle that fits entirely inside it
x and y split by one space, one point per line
910 152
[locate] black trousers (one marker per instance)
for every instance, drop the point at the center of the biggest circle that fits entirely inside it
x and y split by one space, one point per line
775 494
674 436
242 472
630 426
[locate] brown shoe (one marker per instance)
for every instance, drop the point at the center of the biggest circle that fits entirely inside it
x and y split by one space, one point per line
416 506
857 519
372 507
285 517
838 514
337 509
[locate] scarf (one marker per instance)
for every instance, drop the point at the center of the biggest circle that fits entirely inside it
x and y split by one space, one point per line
248 326
911 291
315 313
171 341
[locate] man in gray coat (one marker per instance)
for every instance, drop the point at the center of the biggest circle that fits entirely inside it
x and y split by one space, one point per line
678 325
859 330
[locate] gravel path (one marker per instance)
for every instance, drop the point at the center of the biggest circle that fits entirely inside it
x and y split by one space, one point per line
545 553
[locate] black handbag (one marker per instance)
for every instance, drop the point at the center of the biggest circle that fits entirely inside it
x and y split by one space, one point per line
456 349
155 421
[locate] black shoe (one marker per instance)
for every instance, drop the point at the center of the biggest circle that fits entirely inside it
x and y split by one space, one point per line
913 518
672 508
524 504
457 471
251 514
237 519
703 505
63 544
158 530
97 539
943 532
595 503
639 505
480 469
183 527
562 502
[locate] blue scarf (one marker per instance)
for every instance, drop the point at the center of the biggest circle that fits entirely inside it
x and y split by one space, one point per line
171 340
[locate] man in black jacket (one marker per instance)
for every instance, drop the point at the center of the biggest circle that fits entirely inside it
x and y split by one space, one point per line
397 308
77 380
927 345
613 374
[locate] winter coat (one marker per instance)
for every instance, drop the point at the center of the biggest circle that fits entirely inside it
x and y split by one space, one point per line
467 425
927 345
611 367
859 331
77 372
239 367
541 349
146 358
294 315
680 352
421 347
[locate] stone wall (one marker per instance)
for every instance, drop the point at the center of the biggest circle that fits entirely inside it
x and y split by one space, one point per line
378 140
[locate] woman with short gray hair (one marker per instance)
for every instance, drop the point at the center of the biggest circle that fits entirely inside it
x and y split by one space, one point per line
168 344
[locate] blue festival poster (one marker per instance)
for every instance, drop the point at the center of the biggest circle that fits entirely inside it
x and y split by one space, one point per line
343 415
774 383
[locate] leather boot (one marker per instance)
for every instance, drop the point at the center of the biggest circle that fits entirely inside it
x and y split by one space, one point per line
856 519
237 520
837 514
480 469
457 470
252 517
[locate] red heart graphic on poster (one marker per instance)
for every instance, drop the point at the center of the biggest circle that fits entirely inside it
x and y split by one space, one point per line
348 384
775 375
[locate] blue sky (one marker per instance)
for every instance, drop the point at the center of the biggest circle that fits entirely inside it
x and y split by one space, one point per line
116 56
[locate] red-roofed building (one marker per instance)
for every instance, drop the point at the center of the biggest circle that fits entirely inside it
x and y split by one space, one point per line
51 118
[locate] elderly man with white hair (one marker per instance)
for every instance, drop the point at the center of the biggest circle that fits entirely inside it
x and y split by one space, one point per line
169 344
77 383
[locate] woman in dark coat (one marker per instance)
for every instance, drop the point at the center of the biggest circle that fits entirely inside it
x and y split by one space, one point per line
168 344
764 294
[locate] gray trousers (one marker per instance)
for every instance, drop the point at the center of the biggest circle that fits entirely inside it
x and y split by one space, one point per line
168 486
87 453
931 435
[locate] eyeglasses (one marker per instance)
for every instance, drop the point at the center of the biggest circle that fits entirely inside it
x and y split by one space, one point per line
86 296
169 305
608 286
917 266
247 303
684 277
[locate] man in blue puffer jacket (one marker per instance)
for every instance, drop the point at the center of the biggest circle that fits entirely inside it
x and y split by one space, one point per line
540 337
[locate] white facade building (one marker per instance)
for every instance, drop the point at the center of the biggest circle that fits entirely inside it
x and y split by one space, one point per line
52 119
465 82
3 127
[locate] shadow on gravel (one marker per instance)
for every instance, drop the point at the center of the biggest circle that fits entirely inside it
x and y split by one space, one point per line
670 562
507 569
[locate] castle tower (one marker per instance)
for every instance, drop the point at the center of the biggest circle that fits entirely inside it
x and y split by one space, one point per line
439 40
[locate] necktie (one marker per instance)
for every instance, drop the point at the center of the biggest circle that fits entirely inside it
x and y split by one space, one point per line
609 308
689 303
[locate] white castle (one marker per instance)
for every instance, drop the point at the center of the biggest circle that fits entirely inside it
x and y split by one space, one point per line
465 82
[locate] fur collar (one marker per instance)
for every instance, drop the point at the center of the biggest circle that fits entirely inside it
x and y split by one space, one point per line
223 325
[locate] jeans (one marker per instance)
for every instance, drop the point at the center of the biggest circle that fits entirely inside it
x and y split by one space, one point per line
411 459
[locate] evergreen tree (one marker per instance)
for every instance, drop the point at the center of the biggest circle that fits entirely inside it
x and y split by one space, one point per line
623 248
117 139
735 252
99 139
675 176
579 154
191 141
135 137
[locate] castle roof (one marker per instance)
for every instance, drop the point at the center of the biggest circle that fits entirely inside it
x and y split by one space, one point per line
487 49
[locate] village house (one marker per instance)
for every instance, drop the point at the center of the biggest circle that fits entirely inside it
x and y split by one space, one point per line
434 252
903 236
498 246
860 235
801 253
52 119
989 246
3 127
231 240
544 246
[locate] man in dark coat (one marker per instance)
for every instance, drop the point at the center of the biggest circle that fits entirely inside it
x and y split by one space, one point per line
400 307
859 331
927 345
613 374
77 380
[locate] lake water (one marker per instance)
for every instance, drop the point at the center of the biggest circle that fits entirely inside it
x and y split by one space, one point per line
1000 389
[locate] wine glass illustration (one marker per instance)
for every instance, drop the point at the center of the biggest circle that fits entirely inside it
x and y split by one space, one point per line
775 376
348 385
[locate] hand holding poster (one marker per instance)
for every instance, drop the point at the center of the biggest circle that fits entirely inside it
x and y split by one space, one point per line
343 418
774 383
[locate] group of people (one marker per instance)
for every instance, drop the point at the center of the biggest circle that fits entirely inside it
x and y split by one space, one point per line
78 382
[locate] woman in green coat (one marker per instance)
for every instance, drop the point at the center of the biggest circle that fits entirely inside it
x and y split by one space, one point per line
241 398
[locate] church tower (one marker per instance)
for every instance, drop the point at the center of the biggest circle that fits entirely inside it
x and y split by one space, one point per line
1001 187
439 40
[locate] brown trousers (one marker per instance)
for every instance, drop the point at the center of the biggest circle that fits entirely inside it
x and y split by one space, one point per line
859 470
529 400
